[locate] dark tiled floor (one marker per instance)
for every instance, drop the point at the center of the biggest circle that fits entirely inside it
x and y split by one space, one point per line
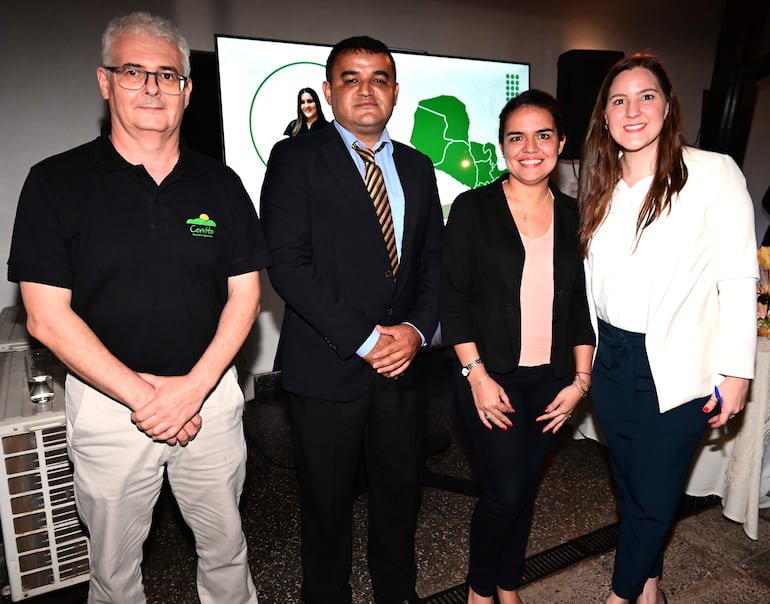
710 560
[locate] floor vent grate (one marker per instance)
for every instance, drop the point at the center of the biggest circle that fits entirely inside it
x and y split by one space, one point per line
548 562
566 554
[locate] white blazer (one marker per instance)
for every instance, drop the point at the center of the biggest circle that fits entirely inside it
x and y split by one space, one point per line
702 309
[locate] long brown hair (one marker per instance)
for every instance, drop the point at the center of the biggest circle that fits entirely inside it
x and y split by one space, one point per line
301 119
601 168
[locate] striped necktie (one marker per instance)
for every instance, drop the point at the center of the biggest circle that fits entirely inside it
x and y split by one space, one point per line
375 185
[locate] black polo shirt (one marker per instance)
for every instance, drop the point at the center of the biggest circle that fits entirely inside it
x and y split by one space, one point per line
147 264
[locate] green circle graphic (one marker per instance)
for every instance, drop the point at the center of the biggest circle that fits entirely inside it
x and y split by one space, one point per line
254 98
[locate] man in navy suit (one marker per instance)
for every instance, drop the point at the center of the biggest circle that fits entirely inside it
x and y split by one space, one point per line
354 324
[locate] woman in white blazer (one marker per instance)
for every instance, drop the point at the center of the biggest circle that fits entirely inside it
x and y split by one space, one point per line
667 232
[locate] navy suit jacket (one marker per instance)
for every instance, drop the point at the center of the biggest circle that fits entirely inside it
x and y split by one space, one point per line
330 265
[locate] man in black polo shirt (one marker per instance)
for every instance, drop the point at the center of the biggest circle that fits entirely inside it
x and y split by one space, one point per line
137 261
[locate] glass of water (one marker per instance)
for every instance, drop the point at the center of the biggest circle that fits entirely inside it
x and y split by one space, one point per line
38 364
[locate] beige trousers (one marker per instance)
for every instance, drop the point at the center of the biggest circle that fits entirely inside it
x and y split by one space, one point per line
118 473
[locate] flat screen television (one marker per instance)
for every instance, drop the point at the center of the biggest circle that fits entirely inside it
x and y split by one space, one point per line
448 107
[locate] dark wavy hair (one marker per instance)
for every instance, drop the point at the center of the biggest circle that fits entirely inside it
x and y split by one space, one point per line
357 44
601 167
533 98
298 123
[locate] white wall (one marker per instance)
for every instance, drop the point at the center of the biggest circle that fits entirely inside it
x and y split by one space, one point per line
49 100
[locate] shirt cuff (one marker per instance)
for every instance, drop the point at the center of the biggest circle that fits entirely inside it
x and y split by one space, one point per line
422 337
368 344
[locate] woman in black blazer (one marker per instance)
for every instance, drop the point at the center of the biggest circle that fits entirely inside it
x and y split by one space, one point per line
513 306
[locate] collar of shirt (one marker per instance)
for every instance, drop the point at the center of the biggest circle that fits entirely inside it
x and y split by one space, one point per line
108 158
349 139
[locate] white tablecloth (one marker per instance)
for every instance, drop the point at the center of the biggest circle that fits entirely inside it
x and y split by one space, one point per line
736 467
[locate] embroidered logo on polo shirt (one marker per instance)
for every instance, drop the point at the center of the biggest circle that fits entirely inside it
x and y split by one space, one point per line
202 226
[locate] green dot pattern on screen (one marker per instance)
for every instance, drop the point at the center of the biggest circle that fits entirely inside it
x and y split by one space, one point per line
512 86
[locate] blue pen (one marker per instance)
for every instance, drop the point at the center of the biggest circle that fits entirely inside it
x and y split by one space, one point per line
719 400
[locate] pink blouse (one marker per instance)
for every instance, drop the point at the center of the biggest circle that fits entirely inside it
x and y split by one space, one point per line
537 299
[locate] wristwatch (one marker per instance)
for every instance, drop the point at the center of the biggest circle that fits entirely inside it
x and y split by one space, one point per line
465 371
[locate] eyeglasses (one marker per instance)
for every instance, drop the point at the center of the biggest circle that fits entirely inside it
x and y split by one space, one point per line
134 78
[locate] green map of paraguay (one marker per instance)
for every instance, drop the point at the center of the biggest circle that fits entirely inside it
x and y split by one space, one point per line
441 132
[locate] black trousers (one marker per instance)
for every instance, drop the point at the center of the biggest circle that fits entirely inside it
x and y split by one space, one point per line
650 454
508 465
388 424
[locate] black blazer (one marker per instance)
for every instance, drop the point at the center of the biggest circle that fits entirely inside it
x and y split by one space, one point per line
331 267
482 264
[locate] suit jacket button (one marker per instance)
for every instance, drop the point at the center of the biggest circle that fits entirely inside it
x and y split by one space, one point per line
388 311
388 274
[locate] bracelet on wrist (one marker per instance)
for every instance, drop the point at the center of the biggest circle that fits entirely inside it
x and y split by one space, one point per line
585 384
582 392
477 384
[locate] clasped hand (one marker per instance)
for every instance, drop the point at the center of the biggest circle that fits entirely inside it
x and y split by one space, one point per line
493 405
394 350
172 416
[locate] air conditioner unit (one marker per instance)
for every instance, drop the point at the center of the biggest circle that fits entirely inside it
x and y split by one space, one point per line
45 544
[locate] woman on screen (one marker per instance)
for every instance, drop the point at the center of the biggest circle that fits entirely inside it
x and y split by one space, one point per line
513 306
671 269
310 116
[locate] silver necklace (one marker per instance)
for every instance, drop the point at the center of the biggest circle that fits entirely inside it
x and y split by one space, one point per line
542 201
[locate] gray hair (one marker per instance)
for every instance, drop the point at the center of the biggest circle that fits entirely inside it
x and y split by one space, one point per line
143 22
